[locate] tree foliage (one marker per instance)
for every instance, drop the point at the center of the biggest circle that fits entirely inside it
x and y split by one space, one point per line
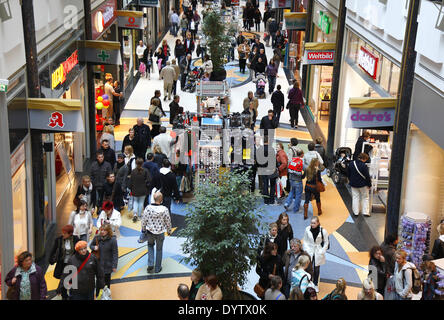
218 42
221 231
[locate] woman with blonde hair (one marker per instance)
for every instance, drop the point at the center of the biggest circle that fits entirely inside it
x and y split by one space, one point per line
130 157
296 294
300 277
108 134
312 186
339 292
368 291
403 276
159 156
197 281
105 246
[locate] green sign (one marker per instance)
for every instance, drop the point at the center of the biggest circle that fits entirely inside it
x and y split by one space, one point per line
104 56
4 85
324 22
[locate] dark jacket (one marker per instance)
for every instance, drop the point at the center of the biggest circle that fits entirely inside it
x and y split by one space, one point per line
114 192
147 56
295 97
98 173
382 271
389 255
260 67
122 174
438 249
37 280
158 159
58 254
143 137
185 65
169 187
86 278
278 101
312 182
265 267
358 148
174 107
139 182
109 155
189 48
194 288
268 124
133 143
356 180
286 263
321 150
91 192
179 50
282 239
267 15
109 255
257 17
153 168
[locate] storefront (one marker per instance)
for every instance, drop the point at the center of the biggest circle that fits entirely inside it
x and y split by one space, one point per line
320 73
295 23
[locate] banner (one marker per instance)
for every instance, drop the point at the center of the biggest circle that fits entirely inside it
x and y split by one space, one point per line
100 52
281 4
149 3
295 21
130 19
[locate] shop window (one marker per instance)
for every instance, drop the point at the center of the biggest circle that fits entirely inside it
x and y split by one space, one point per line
19 210
384 75
394 82
128 63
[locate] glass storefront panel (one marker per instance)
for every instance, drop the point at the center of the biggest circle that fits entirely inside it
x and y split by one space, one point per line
386 69
19 202
394 82
18 120
128 61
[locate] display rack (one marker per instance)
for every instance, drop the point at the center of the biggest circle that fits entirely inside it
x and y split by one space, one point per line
414 236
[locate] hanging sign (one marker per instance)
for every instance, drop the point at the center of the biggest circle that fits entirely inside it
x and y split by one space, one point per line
149 3
368 62
59 75
324 22
295 21
371 113
100 52
103 17
130 19
4 85
281 4
319 53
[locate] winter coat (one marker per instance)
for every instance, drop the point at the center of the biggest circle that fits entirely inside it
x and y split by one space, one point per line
389 255
122 175
58 254
282 239
156 111
90 193
185 65
177 71
265 267
288 268
174 107
115 220
356 180
109 255
358 148
189 48
114 192
140 179
381 269
257 17
179 50
272 70
313 246
281 157
438 248
246 103
98 173
312 183
260 67
153 168
267 124
278 101
109 155
168 74
128 142
36 279
321 150
86 278
295 97
143 138
169 184
158 159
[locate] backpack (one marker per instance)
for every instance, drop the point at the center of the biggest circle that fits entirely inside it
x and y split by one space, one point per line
296 164
416 279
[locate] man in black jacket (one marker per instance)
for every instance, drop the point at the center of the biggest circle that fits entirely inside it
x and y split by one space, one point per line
278 101
266 163
86 277
174 107
269 122
108 153
169 188
142 134
98 172
185 68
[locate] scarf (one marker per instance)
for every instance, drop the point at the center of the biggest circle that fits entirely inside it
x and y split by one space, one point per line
315 231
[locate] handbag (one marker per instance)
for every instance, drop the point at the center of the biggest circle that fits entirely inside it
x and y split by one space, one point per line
153 117
259 290
11 293
320 186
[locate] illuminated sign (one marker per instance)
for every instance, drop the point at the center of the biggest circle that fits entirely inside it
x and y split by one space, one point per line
324 22
103 17
320 57
59 75
368 62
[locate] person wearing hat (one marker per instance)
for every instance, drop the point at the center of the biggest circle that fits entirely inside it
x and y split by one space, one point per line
88 269
62 249
109 215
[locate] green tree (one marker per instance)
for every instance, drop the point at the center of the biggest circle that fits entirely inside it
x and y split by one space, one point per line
221 231
218 42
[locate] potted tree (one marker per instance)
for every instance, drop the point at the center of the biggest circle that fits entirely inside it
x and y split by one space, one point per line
218 44
221 231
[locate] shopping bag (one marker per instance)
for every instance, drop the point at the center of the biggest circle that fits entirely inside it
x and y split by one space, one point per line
279 189
105 294
159 64
390 289
142 68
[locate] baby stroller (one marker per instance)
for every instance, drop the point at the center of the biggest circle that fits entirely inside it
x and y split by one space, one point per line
338 169
260 81
193 76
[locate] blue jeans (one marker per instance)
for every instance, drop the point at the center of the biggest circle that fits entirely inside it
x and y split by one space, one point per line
295 194
158 239
138 205
271 84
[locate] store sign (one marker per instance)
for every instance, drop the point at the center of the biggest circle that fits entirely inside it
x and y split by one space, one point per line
374 118
295 21
4 85
149 3
368 62
282 4
320 57
211 88
59 75
103 17
235 3
130 19
324 22
99 52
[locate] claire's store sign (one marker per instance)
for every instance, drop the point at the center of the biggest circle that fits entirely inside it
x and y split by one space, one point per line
320 57
103 17
368 62
59 75
370 118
